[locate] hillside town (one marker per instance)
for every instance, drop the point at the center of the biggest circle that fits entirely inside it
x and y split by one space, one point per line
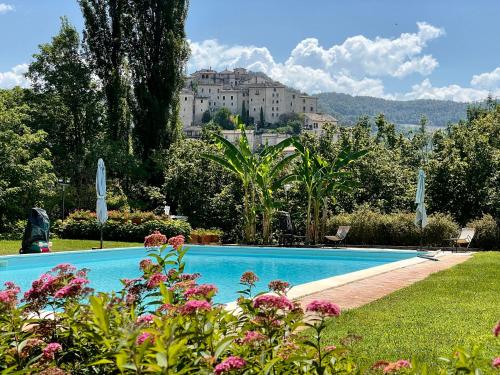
253 96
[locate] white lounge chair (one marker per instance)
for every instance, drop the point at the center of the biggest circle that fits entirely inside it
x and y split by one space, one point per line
340 236
464 238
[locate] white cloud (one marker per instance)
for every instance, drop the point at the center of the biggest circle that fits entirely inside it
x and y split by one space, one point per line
14 77
425 90
356 66
490 80
5 8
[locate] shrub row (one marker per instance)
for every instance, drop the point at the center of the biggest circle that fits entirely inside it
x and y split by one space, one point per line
87 227
374 228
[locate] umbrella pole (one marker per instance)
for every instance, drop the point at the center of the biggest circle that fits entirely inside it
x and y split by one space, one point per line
101 235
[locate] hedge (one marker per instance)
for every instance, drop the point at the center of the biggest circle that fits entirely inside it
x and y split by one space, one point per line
487 233
86 227
397 229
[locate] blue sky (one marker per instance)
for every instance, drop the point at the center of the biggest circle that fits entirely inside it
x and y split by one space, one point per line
388 48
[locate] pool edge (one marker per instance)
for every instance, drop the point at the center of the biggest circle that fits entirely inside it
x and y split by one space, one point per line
306 289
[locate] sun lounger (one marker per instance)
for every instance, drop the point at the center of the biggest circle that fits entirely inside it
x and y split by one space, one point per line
286 234
340 236
464 238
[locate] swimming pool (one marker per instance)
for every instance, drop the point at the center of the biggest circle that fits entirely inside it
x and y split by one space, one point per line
219 265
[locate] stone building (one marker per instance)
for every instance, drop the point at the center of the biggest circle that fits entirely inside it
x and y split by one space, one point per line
315 122
240 88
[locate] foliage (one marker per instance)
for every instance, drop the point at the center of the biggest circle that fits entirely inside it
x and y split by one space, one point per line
120 226
201 189
26 175
105 40
165 322
223 118
464 177
260 174
348 109
487 232
398 229
66 104
157 52
321 179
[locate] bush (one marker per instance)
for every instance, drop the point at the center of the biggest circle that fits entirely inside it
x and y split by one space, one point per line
487 233
370 227
13 231
120 226
164 322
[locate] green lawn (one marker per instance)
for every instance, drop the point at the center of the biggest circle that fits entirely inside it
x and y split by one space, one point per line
455 307
12 247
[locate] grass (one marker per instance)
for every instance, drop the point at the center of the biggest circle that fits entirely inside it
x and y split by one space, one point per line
454 307
12 247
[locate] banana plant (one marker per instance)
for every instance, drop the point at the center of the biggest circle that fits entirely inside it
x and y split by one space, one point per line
269 179
321 179
240 161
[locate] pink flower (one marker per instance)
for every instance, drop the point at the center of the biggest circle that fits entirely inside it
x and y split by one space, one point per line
278 286
165 307
155 280
155 239
51 349
145 337
63 268
496 362
8 297
230 363
176 241
396 366
145 319
269 301
329 348
249 278
189 276
73 289
324 308
194 306
206 291
253 336
496 329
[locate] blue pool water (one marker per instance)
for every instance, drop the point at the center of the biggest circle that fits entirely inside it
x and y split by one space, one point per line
218 265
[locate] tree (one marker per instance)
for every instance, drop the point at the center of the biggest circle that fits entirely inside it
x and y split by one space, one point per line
67 104
27 177
261 117
105 40
206 117
157 51
223 118
244 113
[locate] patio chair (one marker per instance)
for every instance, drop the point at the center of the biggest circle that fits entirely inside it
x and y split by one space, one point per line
286 230
340 236
464 238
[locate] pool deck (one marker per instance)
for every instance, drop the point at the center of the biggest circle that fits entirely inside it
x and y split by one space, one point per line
356 293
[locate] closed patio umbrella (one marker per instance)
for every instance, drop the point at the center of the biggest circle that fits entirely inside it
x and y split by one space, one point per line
100 187
421 215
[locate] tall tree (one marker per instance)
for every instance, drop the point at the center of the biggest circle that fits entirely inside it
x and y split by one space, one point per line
68 103
158 51
105 39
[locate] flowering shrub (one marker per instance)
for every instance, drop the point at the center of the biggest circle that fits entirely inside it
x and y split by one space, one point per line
165 322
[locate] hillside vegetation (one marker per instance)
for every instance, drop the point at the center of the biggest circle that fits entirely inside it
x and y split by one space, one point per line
347 109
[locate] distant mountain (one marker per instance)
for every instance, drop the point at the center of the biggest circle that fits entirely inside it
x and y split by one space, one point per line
347 109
